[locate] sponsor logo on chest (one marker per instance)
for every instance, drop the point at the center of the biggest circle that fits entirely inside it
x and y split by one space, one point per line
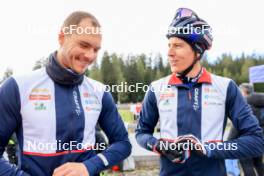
212 97
40 94
77 104
39 97
196 99
91 102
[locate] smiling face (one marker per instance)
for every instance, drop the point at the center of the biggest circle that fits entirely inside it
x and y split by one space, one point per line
180 54
79 50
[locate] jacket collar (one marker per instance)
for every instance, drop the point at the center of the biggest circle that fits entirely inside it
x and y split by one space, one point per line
205 78
60 74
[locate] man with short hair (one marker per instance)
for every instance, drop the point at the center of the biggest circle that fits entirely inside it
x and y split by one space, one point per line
54 110
192 106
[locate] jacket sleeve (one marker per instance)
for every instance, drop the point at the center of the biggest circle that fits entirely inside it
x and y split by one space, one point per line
250 140
10 119
113 126
149 116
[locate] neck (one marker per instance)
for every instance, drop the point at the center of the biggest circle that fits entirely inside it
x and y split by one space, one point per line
61 75
195 71
59 58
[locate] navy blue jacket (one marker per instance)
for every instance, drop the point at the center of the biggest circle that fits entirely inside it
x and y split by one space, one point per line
55 124
200 109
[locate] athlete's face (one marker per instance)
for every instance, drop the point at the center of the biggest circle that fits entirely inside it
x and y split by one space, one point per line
79 50
180 54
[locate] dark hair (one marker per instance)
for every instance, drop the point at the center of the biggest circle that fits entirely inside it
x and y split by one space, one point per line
76 17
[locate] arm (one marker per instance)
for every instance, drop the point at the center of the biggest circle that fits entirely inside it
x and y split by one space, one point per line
120 147
148 119
250 142
10 119
232 133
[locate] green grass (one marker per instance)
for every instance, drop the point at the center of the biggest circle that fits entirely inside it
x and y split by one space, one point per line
126 115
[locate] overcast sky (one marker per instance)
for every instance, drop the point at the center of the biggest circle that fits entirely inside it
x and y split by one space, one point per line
29 28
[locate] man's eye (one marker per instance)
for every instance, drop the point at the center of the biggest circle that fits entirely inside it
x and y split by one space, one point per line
84 45
96 50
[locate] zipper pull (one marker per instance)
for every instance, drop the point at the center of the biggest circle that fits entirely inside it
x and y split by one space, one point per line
190 95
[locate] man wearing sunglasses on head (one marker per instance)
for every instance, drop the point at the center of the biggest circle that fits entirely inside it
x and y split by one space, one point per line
192 106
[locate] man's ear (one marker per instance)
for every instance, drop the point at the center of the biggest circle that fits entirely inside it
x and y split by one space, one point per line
61 37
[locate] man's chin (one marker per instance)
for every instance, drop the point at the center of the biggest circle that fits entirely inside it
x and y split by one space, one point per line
174 70
79 71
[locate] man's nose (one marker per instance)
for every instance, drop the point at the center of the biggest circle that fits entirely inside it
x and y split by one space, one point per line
170 51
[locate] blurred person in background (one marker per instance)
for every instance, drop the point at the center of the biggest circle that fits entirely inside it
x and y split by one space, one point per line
256 101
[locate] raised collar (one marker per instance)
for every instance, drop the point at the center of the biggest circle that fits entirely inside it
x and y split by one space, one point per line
205 78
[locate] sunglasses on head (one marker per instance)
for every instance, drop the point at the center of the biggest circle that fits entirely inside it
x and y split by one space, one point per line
185 12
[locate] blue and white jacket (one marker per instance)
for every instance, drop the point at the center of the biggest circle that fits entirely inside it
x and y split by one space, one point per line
202 110
55 124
